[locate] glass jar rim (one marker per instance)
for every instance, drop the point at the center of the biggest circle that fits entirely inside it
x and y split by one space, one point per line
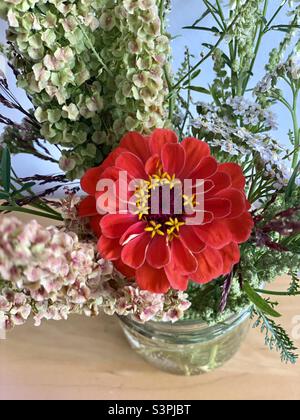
186 328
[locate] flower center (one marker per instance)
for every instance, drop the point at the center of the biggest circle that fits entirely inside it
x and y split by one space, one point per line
160 203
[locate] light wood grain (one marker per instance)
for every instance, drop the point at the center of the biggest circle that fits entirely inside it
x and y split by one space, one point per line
90 359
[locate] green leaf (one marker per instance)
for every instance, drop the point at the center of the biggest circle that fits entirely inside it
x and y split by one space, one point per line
196 74
6 169
292 183
209 46
199 89
204 28
4 195
192 77
24 188
260 302
283 28
203 16
275 337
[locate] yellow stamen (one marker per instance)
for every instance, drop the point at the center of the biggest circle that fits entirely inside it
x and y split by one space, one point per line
190 201
175 226
154 229
142 209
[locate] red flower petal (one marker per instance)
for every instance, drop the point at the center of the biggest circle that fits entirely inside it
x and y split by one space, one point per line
136 144
111 173
159 138
134 252
206 169
89 180
107 199
237 199
124 269
173 158
240 227
190 188
195 150
158 253
191 240
109 249
219 207
236 174
210 266
133 231
231 256
176 279
132 164
114 225
221 181
151 279
111 158
91 177
215 235
87 207
118 194
182 259
199 218
152 165
95 225
208 217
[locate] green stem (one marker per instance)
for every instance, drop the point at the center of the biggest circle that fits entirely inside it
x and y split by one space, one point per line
161 11
90 44
171 97
284 102
189 98
45 208
276 14
273 293
40 204
208 55
258 44
296 128
221 13
220 23
28 211
293 110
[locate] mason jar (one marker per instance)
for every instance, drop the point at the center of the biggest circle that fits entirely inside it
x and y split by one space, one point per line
187 347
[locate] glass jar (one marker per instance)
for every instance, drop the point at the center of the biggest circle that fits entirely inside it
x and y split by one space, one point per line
187 347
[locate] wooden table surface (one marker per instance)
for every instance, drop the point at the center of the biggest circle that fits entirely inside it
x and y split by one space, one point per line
90 359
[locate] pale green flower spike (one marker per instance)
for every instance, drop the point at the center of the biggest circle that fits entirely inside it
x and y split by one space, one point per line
94 69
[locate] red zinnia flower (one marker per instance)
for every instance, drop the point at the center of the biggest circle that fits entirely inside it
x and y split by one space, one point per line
159 250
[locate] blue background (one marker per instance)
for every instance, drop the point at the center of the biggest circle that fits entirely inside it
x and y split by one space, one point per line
184 12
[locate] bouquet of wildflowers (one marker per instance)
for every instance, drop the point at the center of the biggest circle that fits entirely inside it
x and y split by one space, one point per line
187 208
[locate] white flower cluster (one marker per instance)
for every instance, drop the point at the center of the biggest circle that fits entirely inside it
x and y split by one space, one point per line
251 113
142 305
290 68
45 272
50 274
265 85
238 142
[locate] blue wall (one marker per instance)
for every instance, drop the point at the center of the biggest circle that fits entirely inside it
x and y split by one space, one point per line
184 12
